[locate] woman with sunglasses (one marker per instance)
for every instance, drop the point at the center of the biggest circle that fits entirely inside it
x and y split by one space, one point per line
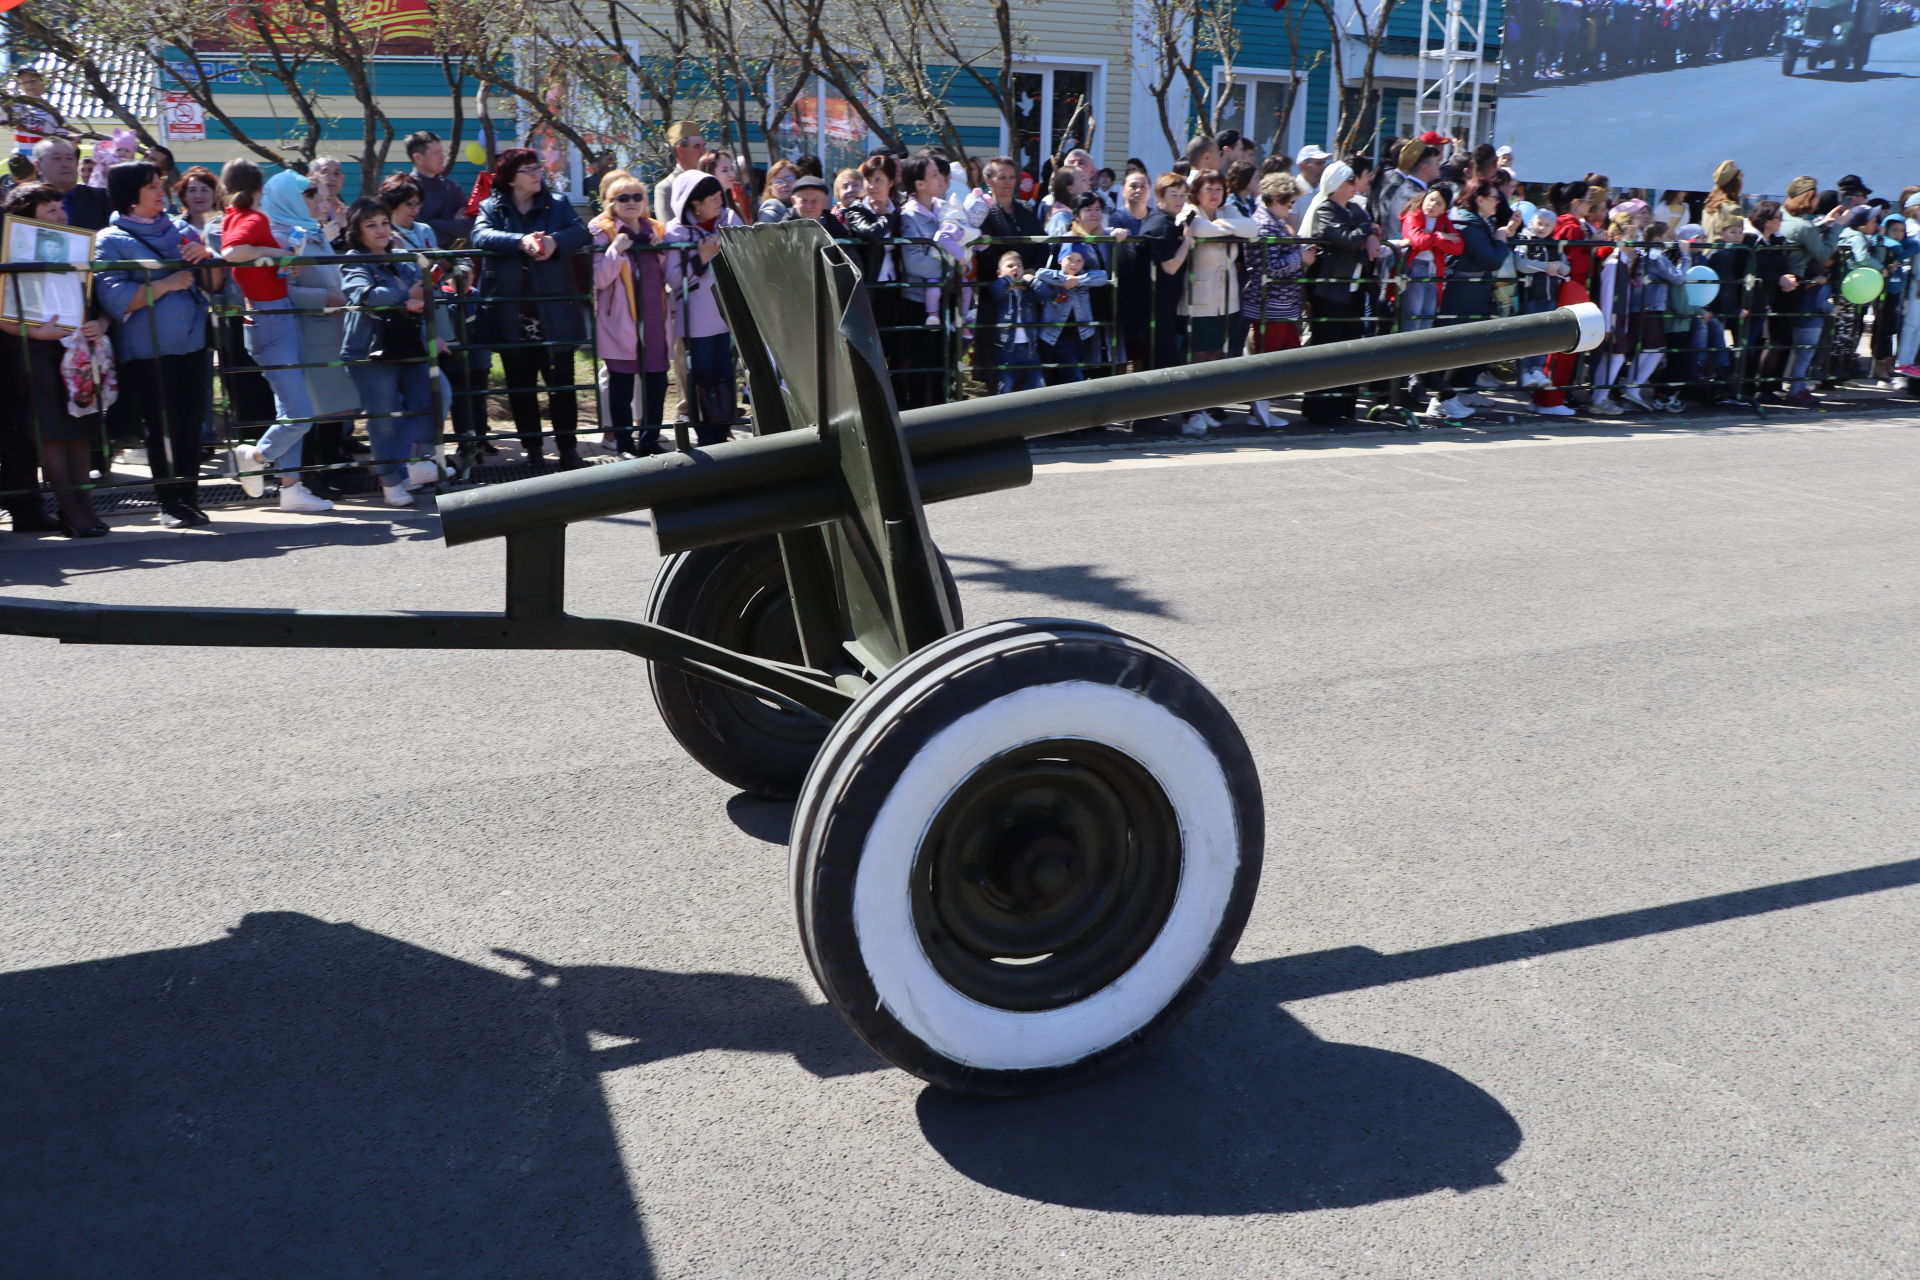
630 312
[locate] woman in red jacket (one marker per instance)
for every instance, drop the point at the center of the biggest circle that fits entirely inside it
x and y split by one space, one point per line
1574 225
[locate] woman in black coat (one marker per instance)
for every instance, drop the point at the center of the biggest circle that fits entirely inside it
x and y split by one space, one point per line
1467 295
1346 235
528 298
1165 244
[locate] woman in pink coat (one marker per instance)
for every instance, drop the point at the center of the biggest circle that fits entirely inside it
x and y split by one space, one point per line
631 333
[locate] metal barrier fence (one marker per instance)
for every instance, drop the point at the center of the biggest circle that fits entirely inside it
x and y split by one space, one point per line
967 332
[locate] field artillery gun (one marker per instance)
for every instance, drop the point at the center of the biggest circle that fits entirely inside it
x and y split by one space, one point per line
1018 848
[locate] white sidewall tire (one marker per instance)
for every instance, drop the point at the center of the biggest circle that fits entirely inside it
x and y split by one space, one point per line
902 753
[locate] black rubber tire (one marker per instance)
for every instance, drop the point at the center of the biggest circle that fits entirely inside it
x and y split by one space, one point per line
867 830
736 595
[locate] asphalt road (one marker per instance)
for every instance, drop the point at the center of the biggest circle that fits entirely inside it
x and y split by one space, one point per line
1586 947
1670 128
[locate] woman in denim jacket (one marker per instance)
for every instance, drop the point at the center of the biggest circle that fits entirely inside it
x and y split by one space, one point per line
386 343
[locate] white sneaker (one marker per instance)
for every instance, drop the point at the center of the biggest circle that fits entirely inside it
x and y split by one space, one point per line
396 495
1556 410
1452 408
1487 382
1474 398
1264 415
247 457
421 474
1535 380
1601 404
1637 398
297 497
1195 425
1213 423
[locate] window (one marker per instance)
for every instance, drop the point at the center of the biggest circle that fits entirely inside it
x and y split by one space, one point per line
1052 111
825 124
1255 106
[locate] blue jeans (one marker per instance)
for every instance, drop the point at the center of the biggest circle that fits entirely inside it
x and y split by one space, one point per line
1707 358
1021 371
397 398
1532 364
1806 335
273 340
1070 349
1419 303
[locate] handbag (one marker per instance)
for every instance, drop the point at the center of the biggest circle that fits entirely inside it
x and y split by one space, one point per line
398 336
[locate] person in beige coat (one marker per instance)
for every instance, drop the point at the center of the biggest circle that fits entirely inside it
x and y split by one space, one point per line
1213 275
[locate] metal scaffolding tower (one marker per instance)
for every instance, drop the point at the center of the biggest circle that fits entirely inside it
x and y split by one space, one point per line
1448 100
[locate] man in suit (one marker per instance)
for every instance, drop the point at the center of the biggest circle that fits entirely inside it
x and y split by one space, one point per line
59 164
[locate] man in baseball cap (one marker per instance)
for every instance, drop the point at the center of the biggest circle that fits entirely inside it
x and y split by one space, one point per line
1309 162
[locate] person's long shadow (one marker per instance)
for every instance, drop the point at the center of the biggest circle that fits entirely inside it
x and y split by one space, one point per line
55 562
304 1098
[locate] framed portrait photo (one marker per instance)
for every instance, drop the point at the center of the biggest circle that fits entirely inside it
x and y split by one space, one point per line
44 297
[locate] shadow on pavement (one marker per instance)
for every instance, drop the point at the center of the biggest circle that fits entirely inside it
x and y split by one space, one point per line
1243 1110
1240 1110
301 1098
55 561
1078 583
768 820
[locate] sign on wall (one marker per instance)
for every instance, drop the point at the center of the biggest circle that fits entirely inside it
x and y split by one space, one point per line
181 118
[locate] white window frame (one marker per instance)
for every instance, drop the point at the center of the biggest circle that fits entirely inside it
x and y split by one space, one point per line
1247 76
1097 91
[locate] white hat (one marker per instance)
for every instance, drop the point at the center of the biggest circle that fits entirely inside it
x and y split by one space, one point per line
1311 152
1913 201
1504 151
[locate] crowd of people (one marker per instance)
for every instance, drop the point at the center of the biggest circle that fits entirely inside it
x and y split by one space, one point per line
979 276
1547 40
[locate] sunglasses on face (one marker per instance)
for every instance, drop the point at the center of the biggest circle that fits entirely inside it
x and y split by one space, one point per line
628 199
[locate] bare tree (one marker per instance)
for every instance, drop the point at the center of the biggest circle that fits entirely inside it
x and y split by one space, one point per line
1359 102
177 38
1182 33
52 29
1297 74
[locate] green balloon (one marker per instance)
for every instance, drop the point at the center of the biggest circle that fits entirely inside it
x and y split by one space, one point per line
1862 285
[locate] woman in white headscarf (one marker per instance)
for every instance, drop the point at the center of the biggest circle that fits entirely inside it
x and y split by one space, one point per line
292 203
1347 236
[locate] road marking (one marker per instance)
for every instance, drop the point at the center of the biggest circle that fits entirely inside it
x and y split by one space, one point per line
1128 458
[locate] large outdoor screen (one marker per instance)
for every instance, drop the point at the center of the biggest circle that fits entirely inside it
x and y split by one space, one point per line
1657 94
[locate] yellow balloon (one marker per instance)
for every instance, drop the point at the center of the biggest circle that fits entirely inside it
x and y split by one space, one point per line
476 154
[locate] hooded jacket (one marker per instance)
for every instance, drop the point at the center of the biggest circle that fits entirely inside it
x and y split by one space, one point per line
696 306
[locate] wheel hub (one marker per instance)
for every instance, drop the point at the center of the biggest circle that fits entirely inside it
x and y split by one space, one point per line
1046 875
